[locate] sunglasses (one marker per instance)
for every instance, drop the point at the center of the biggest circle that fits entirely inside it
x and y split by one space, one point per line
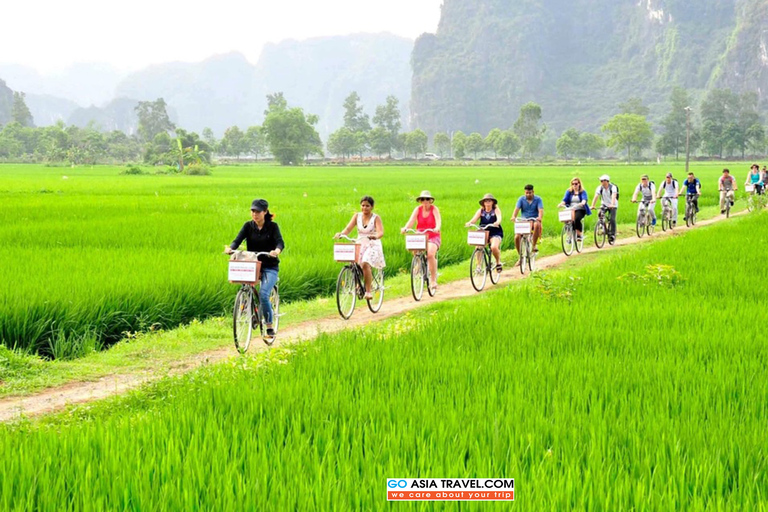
574 183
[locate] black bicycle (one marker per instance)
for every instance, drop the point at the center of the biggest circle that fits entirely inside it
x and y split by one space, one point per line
690 210
350 284
644 222
603 227
569 239
247 314
480 264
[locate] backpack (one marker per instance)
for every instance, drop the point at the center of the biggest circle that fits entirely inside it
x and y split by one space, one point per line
617 190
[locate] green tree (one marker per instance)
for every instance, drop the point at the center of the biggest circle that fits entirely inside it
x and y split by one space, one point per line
635 106
441 143
508 144
153 119
291 135
233 142
20 112
380 141
568 143
355 119
416 142
342 142
590 145
718 109
210 139
388 117
673 139
474 144
275 102
254 142
459 144
490 140
527 128
628 131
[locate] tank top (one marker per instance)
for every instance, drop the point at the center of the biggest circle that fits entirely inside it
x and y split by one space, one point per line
428 222
490 218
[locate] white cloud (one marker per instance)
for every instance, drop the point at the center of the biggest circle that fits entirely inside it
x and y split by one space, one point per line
48 34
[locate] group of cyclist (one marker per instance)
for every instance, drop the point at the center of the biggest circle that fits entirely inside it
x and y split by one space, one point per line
262 234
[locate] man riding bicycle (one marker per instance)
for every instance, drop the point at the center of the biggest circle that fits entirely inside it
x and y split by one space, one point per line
669 190
531 207
609 199
727 186
693 188
647 190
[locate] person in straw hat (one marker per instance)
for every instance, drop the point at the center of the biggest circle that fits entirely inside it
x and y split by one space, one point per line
490 216
427 219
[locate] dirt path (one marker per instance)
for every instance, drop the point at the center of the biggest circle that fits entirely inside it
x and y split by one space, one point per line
79 392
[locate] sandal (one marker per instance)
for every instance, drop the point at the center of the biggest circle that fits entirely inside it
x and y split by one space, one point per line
368 296
498 267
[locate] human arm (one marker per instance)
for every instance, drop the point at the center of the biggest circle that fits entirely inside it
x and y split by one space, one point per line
279 243
410 220
379 225
438 219
349 227
474 218
242 235
498 218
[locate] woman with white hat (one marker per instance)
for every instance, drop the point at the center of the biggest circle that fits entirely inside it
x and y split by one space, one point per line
490 214
427 218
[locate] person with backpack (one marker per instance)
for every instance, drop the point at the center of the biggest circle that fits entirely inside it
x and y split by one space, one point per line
670 190
609 199
647 190
693 188
727 187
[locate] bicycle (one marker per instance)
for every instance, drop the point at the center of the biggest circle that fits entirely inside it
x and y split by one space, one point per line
728 201
602 228
666 214
756 199
245 315
569 239
690 210
350 284
644 219
417 243
527 255
480 264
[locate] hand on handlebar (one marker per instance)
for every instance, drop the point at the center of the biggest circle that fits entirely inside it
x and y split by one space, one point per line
228 250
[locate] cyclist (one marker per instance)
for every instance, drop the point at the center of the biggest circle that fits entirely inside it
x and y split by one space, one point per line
647 190
531 207
764 177
490 214
609 198
670 190
727 186
261 234
427 216
576 198
370 229
754 178
693 188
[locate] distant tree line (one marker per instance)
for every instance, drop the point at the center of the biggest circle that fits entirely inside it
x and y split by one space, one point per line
725 124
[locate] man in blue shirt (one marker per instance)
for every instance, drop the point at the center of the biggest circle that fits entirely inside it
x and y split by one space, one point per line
529 207
693 188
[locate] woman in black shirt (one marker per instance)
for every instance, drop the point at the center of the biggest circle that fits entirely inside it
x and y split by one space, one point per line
262 235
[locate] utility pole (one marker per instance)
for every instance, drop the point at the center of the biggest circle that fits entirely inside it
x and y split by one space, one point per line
687 137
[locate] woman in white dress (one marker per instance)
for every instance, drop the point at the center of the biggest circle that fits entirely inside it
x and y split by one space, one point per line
369 230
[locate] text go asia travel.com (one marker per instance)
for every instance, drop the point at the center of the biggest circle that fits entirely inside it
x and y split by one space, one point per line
450 489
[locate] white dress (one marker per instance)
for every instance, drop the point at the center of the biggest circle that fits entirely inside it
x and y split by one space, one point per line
371 251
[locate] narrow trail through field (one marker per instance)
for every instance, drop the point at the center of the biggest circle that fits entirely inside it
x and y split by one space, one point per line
79 392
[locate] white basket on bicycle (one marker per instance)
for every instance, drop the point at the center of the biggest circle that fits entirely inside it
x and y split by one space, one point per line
566 215
346 253
416 242
477 238
523 228
749 188
244 268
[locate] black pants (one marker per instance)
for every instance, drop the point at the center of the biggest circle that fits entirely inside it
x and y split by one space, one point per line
611 213
578 217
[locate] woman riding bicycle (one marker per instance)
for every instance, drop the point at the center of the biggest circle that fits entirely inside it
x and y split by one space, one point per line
261 234
370 229
755 179
427 217
576 198
491 217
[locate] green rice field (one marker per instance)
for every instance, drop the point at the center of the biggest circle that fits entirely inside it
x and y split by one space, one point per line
89 254
635 382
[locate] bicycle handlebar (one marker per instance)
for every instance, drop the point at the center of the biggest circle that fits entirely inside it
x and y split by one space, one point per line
481 227
255 254
430 230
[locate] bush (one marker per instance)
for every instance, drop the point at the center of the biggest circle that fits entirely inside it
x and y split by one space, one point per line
131 169
197 170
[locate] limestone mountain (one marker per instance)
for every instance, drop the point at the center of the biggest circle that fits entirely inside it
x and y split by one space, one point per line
580 58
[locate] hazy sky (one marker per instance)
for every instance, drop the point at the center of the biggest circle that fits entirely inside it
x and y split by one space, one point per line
51 34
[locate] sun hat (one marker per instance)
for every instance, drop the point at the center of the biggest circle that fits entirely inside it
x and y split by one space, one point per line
260 205
425 195
605 177
488 196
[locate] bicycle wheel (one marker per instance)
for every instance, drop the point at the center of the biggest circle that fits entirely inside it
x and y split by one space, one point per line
478 271
531 256
425 269
727 208
649 227
688 215
242 317
567 239
274 300
580 240
693 210
664 222
346 292
377 289
600 234
640 226
417 278
495 274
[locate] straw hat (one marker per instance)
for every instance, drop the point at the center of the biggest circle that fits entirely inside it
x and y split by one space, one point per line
488 196
425 195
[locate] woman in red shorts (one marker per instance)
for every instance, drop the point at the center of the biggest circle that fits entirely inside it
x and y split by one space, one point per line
427 218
